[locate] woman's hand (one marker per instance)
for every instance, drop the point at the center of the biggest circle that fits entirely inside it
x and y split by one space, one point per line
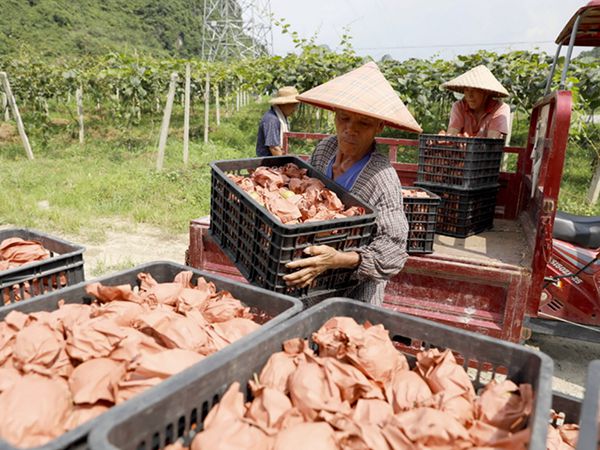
322 258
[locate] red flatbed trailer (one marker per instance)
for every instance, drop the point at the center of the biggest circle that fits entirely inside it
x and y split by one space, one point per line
485 283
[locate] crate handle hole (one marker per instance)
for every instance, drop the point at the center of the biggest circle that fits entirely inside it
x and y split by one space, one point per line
169 439
404 340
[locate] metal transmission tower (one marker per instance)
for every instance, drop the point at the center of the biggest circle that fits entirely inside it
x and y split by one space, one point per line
236 29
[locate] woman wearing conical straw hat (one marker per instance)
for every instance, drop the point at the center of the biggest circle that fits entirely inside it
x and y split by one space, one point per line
363 102
478 114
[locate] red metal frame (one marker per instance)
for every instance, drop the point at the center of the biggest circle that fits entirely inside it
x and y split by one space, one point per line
542 208
574 298
486 297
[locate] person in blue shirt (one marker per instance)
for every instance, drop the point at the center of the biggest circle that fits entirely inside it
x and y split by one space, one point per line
363 102
269 141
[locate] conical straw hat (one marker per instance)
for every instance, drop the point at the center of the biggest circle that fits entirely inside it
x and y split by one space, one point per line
364 91
478 77
285 95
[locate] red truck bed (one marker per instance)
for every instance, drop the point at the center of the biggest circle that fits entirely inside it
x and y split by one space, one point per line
485 283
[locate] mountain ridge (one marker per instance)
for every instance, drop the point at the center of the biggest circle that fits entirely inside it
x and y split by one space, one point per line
62 28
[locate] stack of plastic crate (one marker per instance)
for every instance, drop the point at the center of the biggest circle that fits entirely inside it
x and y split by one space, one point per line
420 207
463 172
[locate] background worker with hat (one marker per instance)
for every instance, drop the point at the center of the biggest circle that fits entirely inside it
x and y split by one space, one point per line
274 122
478 114
364 102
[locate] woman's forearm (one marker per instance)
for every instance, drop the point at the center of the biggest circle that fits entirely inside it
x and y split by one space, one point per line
346 260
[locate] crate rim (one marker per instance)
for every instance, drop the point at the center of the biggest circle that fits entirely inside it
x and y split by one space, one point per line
589 430
98 438
303 164
475 190
65 440
433 196
473 139
5 310
79 249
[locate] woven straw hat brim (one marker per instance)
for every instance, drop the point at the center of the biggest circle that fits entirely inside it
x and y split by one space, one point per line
363 91
283 100
479 77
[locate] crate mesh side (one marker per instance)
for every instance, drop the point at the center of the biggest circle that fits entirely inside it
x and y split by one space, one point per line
486 359
260 246
459 162
421 215
63 268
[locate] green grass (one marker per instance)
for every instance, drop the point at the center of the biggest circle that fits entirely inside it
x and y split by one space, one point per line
68 186
577 174
75 188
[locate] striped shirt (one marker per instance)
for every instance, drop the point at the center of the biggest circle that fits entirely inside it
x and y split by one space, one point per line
379 186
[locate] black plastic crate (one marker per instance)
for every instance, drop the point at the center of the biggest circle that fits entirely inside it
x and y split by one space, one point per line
463 162
464 212
260 245
63 268
565 409
589 432
174 411
278 307
421 214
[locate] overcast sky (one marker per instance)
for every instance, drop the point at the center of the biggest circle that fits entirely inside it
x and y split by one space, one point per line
425 29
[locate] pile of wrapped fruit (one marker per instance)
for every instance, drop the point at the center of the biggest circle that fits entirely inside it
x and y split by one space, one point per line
62 368
15 252
292 196
359 392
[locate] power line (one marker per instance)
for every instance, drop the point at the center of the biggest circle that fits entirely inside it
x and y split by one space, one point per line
454 45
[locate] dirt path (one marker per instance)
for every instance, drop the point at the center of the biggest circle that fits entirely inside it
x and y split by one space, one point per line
127 245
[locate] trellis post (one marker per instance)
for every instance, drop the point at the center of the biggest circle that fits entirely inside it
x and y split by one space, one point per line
15 112
79 96
217 104
206 106
186 115
164 130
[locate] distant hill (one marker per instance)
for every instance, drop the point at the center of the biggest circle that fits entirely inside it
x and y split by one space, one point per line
78 27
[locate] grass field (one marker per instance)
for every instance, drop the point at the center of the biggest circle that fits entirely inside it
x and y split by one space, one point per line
68 186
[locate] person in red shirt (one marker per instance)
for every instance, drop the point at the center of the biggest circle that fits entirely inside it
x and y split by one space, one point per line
478 114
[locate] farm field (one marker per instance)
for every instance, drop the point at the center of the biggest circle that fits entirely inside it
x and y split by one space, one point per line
107 195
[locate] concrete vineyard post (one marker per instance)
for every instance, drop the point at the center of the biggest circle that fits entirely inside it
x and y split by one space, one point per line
206 106
217 105
5 108
505 157
594 189
79 96
186 115
164 129
15 112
